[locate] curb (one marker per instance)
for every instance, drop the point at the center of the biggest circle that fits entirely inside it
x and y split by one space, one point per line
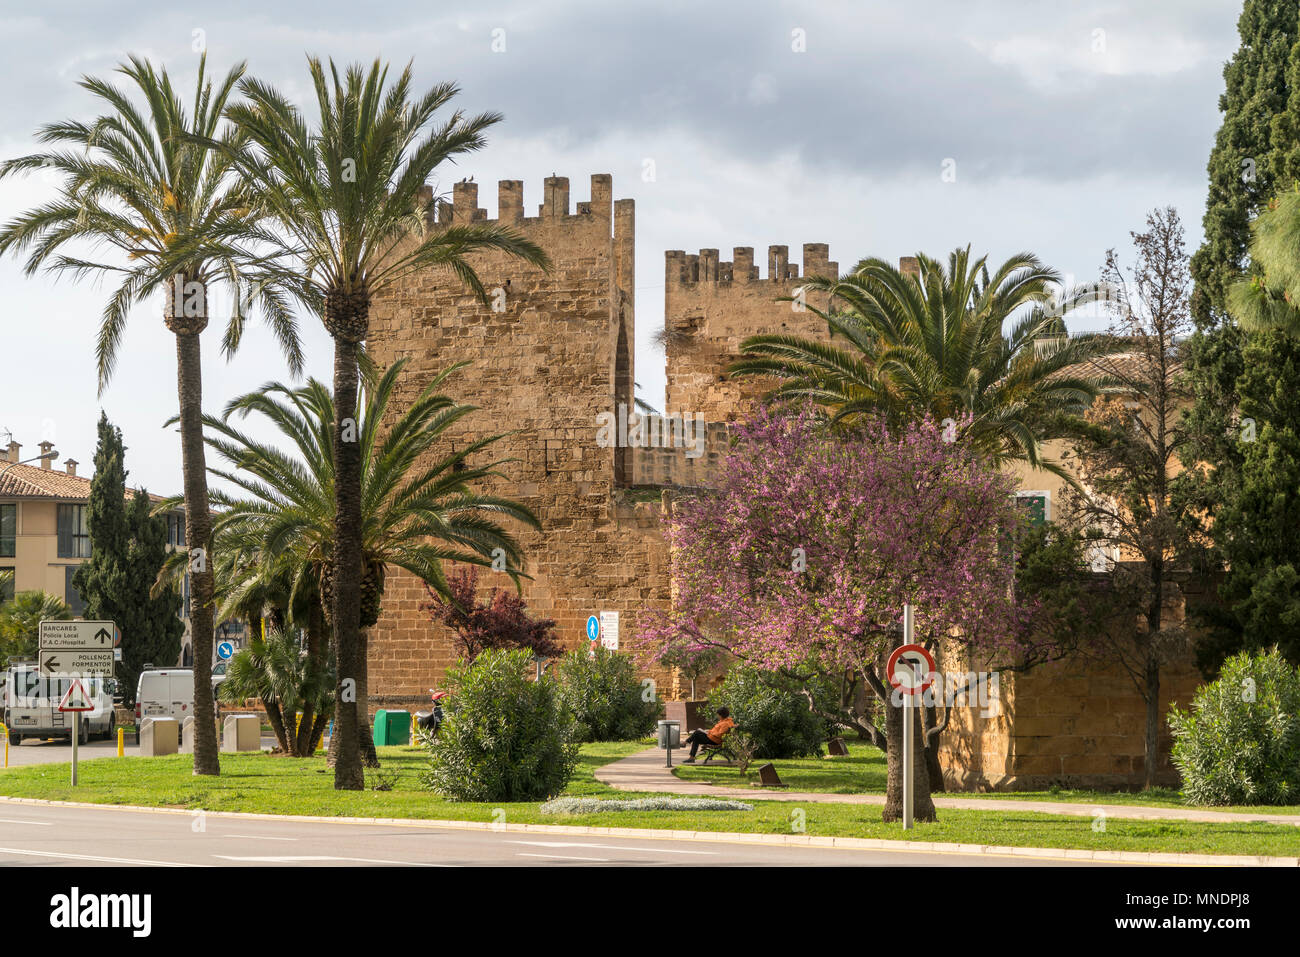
723 837
664 784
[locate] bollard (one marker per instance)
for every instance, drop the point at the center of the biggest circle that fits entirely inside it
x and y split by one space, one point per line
415 729
121 742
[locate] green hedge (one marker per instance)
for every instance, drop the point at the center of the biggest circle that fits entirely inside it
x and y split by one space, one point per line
775 715
1240 741
606 698
505 737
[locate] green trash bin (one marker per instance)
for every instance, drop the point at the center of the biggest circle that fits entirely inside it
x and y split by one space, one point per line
392 727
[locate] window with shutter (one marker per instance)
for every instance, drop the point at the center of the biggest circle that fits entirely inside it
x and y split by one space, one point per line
8 530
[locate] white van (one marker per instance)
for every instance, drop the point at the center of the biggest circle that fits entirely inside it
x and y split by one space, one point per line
165 693
31 706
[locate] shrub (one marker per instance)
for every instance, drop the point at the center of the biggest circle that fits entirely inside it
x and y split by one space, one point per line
605 696
504 737
774 716
1240 742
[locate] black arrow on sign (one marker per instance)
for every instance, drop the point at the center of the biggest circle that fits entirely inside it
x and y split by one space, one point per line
51 663
103 636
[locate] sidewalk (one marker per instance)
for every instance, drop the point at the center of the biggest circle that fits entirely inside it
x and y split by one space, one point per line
645 771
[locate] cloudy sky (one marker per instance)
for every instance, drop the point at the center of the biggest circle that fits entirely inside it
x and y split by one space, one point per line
1059 122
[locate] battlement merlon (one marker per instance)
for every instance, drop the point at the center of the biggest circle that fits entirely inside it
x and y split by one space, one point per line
464 207
681 268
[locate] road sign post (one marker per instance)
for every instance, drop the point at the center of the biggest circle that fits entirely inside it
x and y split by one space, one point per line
907 731
76 701
910 671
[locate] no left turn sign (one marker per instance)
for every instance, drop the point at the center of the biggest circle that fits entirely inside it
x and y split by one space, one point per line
910 669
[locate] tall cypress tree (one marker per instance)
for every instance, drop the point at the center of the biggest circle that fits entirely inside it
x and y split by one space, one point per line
128 548
1243 435
1255 152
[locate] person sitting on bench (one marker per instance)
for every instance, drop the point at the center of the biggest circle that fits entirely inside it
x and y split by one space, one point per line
711 738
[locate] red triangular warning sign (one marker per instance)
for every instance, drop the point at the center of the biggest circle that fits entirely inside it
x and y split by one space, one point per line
76 699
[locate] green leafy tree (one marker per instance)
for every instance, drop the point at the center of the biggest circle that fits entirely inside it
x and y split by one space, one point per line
142 181
128 548
1128 458
908 346
349 217
20 621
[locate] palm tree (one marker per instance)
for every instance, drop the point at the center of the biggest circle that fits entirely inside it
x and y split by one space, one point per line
414 516
932 344
20 621
1269 297
144 183
6 583
351 219
289 682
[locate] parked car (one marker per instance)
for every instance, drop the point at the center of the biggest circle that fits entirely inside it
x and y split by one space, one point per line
218 675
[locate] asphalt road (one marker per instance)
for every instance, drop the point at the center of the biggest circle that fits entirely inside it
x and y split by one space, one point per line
45 835
57 750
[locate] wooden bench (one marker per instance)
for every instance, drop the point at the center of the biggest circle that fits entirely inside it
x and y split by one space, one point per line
711 751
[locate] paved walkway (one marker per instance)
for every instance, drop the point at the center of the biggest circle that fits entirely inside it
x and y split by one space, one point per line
645 771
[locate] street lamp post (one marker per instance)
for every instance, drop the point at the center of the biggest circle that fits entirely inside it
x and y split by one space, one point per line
52 454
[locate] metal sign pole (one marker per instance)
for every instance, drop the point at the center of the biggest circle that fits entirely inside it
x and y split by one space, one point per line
76 734
906 732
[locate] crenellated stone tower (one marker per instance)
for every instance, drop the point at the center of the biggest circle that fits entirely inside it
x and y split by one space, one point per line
549 353
711 307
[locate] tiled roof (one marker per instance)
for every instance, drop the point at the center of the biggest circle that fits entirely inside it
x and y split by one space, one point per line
1130 368
31 481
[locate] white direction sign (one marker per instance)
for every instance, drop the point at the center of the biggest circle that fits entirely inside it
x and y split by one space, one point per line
77 635
609 630
77 662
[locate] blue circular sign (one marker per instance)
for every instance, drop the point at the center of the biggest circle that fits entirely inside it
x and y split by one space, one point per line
593 628
225 649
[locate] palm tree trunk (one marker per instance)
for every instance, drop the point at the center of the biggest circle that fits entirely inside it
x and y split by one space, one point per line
346 575
276 721
365 737
307 727
317 732
198 532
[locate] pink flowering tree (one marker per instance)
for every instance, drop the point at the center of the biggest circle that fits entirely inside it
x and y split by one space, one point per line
801 560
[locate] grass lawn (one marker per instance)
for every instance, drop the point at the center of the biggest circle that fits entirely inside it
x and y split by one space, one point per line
266 784
863 772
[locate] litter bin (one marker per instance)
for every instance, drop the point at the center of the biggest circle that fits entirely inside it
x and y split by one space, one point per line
670 734
392 727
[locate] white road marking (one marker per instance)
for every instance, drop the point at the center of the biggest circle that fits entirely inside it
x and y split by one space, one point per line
615 847
259 837
563 857
93 857
292 859
11 820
